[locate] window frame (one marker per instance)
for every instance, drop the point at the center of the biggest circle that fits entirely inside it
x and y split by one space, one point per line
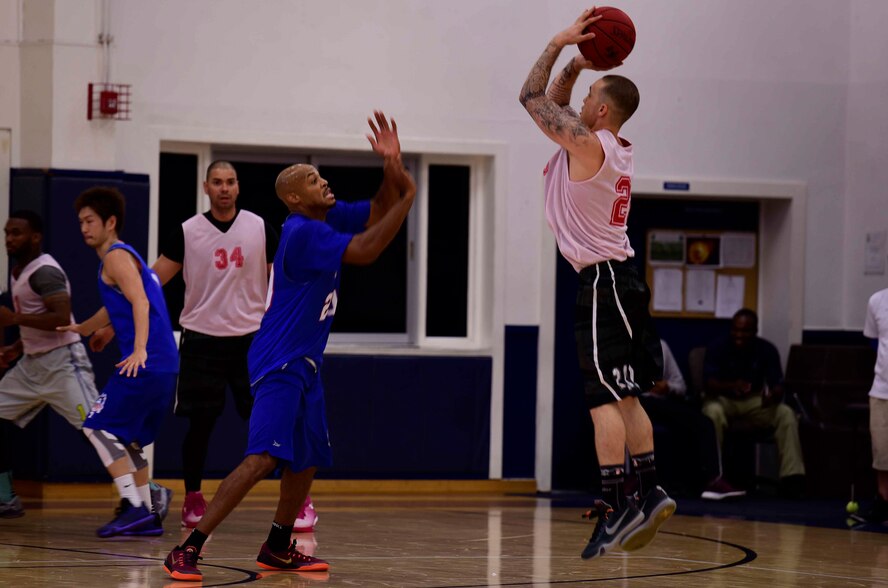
479 295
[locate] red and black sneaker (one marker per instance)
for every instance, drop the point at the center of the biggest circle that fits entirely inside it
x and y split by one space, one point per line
181 564
292 560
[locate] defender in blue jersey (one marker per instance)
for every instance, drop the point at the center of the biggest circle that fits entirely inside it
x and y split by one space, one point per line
288 425
128 413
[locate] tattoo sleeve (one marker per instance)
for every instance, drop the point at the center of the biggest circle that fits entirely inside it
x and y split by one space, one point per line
546 111
560 90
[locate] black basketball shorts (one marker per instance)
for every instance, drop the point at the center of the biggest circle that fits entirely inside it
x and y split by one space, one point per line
207 365
618 346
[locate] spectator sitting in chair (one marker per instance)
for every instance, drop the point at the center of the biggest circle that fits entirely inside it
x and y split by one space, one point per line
667 405
744 384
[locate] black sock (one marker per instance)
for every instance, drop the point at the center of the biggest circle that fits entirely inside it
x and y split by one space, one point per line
279 537
646 470
612 482
196 539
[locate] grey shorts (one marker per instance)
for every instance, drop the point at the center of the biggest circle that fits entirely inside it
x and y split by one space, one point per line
61 378
879 432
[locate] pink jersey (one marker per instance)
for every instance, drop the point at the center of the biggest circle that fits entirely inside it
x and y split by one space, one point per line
226 276
589 217
26 301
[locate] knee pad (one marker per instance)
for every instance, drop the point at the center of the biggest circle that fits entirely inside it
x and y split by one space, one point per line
109 447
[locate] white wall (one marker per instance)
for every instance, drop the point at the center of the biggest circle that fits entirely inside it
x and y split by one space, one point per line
9 72
865 194
760 90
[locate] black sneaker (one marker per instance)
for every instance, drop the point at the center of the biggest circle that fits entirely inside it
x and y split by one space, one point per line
128 518
611 527
656 508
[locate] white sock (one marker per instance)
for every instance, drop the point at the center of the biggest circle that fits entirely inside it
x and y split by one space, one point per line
126 485
145 495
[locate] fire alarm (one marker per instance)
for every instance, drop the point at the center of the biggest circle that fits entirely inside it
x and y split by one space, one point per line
108 102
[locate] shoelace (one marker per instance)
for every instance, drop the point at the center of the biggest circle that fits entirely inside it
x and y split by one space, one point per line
595 512
298 555
191 556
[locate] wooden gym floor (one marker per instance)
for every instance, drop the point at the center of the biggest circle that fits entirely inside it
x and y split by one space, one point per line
399 534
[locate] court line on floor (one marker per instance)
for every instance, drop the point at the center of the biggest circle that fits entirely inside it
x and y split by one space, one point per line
251 576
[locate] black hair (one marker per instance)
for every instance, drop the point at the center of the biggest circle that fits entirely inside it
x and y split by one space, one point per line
748 313
220 164
35 221
623 94
106 202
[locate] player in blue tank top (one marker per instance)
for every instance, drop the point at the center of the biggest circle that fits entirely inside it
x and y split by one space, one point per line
128 413
288 427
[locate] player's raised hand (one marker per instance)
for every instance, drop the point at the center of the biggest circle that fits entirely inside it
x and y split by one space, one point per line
384 139
582 63
574 33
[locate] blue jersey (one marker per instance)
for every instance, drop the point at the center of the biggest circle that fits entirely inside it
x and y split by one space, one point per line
162 353
303 289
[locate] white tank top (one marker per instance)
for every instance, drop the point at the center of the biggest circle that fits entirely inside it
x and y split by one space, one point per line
26 301
589 217
226 276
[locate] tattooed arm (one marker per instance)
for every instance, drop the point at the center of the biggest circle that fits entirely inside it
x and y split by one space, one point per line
559 124
560 89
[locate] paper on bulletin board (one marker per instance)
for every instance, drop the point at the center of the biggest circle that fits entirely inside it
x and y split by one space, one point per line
729 293
874 254
700 291
738 250
667 289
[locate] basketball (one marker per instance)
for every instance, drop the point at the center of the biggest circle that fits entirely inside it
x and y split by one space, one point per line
614 38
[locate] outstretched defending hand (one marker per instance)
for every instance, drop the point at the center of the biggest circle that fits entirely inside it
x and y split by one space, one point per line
384 139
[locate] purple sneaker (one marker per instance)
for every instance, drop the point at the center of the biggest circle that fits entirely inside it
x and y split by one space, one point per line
129 518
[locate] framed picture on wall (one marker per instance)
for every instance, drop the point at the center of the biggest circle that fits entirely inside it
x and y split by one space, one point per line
703 251
666 248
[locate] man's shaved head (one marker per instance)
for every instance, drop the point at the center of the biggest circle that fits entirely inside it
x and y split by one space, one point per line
292 178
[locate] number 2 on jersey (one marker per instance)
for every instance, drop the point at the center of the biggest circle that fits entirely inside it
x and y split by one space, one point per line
620 211
223 259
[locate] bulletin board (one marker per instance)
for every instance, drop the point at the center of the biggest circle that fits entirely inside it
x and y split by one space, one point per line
701 274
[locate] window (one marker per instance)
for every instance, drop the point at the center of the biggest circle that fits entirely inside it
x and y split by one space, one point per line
427 269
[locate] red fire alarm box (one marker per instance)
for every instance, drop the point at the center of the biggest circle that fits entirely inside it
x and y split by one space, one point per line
108 102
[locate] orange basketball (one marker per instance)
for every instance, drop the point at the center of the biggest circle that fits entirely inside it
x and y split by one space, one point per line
614 38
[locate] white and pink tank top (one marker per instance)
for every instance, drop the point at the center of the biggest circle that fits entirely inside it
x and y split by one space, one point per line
226 276
589 217
27 301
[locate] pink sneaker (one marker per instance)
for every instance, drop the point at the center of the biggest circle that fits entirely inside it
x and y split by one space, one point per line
307 519
193 510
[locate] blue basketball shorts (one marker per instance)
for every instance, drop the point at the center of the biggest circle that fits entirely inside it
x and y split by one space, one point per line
133 409
289 419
